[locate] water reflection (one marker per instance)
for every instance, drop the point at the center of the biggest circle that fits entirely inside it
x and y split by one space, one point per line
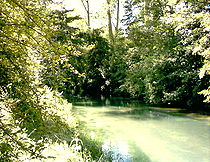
121 102
142 134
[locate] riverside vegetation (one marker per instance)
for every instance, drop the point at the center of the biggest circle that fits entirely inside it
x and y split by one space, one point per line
161 58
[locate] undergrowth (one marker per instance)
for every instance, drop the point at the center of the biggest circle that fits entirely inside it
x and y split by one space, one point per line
58 138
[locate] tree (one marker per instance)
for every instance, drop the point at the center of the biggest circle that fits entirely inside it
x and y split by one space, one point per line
109 15
162 64
118 16
194 33
87 9
94 63
24 34
65 35
26 40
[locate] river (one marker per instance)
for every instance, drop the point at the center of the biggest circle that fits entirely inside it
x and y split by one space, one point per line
132 132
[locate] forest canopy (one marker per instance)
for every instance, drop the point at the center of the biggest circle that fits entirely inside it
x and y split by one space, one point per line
158 53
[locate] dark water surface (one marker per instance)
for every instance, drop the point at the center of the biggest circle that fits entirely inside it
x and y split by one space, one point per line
132 132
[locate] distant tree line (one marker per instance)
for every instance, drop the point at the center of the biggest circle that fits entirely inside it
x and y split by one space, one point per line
162 57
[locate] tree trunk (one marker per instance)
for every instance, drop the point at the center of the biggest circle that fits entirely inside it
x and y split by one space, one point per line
118 16
88 12
87 9
110 22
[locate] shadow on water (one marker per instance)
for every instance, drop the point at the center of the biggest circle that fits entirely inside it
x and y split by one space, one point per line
113 101
113 150
130 109
139 154
133 132
139 110
139 113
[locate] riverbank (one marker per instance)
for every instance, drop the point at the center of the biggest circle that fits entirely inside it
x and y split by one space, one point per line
183 112
119 101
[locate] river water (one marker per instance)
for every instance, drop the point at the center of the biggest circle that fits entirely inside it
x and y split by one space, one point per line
132 132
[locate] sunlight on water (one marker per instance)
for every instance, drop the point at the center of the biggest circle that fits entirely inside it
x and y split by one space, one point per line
144 135
117 150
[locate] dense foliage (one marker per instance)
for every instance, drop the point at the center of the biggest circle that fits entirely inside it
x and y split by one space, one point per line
35 121
161 58
167 51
